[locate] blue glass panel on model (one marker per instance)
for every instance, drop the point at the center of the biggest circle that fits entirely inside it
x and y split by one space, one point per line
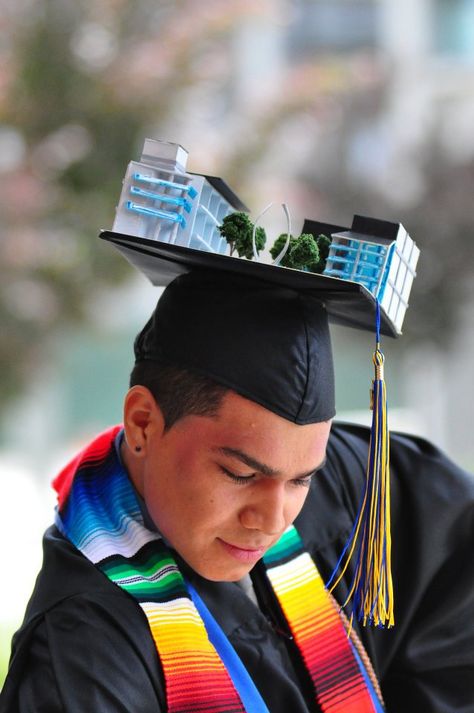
190 190
155 213
161 197
383 282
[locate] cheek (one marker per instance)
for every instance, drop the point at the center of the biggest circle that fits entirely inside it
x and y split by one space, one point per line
296 501
181 500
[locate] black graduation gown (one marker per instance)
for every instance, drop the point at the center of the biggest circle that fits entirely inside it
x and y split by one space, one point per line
85 645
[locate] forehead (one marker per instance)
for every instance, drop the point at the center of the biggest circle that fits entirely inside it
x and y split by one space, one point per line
243 425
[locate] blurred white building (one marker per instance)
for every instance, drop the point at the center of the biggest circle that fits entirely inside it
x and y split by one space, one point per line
427 48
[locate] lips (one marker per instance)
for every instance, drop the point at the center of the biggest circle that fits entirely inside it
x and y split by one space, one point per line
243 554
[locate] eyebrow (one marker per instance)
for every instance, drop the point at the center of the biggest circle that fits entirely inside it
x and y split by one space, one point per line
262 467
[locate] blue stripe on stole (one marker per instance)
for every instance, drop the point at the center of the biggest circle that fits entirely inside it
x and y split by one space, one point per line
375 699
111 504
245 687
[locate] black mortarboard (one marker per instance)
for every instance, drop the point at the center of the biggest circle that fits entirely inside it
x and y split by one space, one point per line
348 303
268 343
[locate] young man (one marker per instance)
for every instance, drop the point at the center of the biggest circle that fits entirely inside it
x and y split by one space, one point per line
174 579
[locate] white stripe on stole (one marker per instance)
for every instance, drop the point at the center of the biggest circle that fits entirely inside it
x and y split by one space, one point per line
291 574
182 605
104 543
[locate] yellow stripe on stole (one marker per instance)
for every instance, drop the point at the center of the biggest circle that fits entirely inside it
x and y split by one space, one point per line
179 633
302 592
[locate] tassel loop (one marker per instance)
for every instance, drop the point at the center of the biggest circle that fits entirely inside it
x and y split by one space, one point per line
378 360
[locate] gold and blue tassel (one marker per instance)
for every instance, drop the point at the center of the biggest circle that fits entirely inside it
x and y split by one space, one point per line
371 589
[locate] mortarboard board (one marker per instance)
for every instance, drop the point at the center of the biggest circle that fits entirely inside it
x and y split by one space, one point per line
347 302
167 224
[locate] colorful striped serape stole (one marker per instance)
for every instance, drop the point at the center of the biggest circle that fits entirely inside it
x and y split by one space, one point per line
196 678
99 513
342 683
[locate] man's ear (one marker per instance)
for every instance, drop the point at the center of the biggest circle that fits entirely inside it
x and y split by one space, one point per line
142 418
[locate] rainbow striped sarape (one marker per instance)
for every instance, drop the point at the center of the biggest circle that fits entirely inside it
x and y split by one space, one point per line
98 511
319 631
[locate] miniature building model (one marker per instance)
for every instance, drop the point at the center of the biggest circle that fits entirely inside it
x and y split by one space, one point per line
379 255
160 201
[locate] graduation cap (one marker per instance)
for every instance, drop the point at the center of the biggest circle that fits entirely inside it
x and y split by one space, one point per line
349 301
168 223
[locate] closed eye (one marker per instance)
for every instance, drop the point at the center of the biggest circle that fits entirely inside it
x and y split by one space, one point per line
306 478
242 479
304 482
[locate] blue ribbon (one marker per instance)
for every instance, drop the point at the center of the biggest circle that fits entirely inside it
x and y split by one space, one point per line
245 687
375 699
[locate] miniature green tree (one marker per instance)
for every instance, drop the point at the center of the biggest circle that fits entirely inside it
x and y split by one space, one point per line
304 252
301 253
237 229
244 245
233 226
278 247
323 244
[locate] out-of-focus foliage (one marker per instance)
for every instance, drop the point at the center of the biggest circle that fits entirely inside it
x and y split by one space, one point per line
82 84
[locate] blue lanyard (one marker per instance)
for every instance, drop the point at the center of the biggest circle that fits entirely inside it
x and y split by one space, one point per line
245 687
375 699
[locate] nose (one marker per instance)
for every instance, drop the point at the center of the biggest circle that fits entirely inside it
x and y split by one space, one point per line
265 510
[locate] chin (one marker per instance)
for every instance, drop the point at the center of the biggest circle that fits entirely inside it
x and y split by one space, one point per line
222 574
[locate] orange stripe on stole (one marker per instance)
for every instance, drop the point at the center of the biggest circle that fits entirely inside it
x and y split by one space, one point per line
320 637
196 678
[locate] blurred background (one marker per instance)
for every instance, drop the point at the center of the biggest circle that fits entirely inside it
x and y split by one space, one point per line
334 106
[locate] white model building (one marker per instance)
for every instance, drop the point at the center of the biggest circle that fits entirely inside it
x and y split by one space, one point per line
160 201
379 255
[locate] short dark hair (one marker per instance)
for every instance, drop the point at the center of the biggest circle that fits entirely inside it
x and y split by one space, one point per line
178 392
